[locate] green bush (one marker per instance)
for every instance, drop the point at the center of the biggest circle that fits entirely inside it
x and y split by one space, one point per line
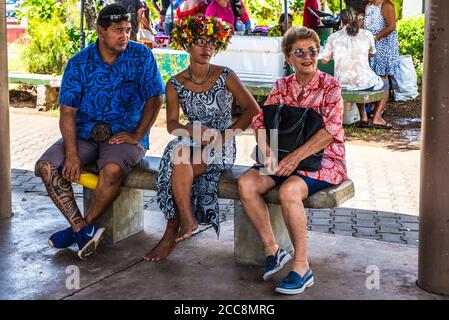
334 5
46 49
266 12
411 40
73 33
40 10
52 36
398 7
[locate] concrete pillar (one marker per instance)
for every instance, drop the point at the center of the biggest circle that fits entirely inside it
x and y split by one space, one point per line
123 218
248 248
5 155
433 264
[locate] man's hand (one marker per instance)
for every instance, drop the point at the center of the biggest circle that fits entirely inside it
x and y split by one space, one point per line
72 168
288 165
126 137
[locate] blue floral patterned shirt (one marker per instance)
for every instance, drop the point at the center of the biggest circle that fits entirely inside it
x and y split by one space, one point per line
115 94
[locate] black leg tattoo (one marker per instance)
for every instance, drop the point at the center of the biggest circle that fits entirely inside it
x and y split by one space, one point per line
61 192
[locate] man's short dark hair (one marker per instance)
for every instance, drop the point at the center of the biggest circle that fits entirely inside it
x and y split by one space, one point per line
112 13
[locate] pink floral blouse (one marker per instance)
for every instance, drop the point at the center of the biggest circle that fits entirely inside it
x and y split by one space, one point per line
323 94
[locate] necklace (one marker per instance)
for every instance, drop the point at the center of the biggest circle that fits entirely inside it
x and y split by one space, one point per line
200 82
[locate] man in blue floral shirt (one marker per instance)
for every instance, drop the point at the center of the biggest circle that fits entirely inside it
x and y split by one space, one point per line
110 96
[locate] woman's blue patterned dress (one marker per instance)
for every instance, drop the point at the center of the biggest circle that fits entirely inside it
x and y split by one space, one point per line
212 109
386 61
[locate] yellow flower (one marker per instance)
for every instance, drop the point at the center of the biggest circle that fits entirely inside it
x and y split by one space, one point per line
210 30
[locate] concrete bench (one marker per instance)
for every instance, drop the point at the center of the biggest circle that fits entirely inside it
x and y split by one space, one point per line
47 87
125 217
351 98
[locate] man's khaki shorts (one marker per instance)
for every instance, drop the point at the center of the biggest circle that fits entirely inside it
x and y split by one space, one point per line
127 156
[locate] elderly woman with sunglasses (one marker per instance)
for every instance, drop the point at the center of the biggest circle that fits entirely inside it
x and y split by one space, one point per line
192 163
307 87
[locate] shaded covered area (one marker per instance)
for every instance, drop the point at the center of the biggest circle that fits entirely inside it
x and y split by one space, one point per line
34 271
200 268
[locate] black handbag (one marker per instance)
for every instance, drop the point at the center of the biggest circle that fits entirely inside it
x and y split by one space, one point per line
295 126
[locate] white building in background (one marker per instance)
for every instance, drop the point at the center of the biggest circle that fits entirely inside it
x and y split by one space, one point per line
411 8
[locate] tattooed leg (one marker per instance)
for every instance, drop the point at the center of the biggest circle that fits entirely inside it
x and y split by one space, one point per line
61 193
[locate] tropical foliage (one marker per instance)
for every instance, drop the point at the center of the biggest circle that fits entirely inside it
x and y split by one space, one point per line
52 34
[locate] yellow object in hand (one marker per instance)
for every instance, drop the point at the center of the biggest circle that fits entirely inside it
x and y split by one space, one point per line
89 180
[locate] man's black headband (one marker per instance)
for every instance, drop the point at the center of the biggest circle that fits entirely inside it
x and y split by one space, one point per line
117 17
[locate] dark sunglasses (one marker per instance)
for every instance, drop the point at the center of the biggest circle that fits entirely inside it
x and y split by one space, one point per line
201 42
117 17
301 53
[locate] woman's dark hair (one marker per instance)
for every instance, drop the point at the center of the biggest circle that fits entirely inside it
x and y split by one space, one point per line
282 18
104 16
347 17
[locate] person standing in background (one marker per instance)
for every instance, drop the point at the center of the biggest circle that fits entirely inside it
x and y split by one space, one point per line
312 14
136 9
380 19
165 4
223 9
238 7
279 30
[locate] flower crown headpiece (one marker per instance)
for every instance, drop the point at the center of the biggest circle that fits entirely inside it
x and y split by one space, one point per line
187 31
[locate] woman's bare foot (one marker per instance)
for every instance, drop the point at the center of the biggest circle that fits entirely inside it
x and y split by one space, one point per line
380 123
186 229
161 250
166 245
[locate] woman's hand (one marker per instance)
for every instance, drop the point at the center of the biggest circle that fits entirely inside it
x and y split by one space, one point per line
288 165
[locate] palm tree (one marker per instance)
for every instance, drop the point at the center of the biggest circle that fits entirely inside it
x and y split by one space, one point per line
90 10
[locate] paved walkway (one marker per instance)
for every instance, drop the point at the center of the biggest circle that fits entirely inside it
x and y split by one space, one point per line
202 267
354 267
385 206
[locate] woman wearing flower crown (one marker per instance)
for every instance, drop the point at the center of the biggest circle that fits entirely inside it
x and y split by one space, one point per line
192 163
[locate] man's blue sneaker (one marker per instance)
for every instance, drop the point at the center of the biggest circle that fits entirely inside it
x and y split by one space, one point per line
62 239
293 283
275 263
88 239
